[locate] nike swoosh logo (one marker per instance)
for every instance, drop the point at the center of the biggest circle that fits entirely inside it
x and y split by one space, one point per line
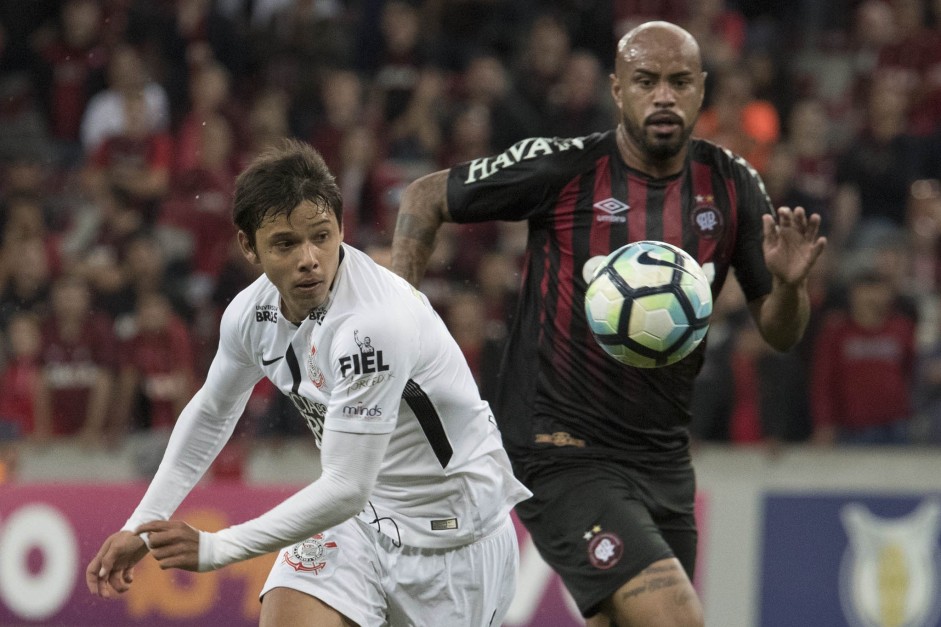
646 259
268 362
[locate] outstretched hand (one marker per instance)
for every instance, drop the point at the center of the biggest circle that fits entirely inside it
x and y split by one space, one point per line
111 572
792 244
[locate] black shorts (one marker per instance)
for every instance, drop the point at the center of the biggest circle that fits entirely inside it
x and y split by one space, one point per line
598 524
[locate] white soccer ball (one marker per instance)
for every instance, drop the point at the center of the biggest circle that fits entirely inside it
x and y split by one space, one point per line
648 304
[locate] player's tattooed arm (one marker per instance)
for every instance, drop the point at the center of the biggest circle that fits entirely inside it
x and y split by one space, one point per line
423 208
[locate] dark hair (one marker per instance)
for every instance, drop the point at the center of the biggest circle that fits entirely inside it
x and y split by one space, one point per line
280 179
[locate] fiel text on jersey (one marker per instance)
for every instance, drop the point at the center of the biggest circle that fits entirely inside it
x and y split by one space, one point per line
362 363
368 361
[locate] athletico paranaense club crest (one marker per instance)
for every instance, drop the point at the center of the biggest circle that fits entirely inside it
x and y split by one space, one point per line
312 555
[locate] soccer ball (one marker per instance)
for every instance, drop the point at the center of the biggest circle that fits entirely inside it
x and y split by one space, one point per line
648 304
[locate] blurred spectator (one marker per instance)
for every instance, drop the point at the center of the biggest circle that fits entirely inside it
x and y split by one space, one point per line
540 64
466 318
97 238
738 121
927 397
303 40
22 218
199 207
580 104
210 96
268 120
467 135
924 227
142 268
19 377
801 170
874 28
714 391
371 186
398 52
157 372
22 119
925 117
863 367
28 170
73 66
26 277
486 82
497 286
838 71
341 109
878 167
415 135
908 54
189 35
748 394
466 27
720 31
78 363
128 76
133 163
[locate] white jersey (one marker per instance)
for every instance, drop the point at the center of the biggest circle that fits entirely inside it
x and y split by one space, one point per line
375 358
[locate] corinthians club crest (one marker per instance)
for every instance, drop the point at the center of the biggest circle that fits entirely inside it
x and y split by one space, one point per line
889 575
314 555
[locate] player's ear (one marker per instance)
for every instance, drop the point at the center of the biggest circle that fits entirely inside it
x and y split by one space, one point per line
616 89
247 248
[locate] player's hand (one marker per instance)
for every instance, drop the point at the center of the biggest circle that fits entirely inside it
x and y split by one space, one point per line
792 244
111 572
173 543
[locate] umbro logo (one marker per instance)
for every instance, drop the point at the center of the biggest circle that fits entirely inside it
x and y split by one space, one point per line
611 208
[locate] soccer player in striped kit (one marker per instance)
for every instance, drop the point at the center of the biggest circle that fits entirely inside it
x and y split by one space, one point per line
605 447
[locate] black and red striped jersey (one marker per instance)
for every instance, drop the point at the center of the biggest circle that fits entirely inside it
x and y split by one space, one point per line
559 394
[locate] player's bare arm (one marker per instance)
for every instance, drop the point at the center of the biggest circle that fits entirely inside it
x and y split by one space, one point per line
424 207
792 245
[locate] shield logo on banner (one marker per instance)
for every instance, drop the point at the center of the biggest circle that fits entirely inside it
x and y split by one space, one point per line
889 575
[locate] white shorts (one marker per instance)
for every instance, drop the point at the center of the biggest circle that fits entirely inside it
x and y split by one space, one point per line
361 574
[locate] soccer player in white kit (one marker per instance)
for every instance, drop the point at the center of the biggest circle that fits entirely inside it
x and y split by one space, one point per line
408 523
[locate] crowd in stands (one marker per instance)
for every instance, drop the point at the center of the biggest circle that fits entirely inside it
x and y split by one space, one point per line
124 122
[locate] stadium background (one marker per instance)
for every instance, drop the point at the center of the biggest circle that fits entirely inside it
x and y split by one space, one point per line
122 123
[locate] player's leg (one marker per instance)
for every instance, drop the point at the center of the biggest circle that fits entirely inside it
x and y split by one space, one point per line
284 606
593 525
660 596
471 586
329 579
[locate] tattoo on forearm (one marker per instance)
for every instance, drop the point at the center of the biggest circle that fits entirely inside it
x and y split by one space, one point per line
415 228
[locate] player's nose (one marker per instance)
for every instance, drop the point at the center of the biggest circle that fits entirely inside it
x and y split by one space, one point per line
309 255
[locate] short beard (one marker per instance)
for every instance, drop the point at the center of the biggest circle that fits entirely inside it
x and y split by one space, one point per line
656 150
